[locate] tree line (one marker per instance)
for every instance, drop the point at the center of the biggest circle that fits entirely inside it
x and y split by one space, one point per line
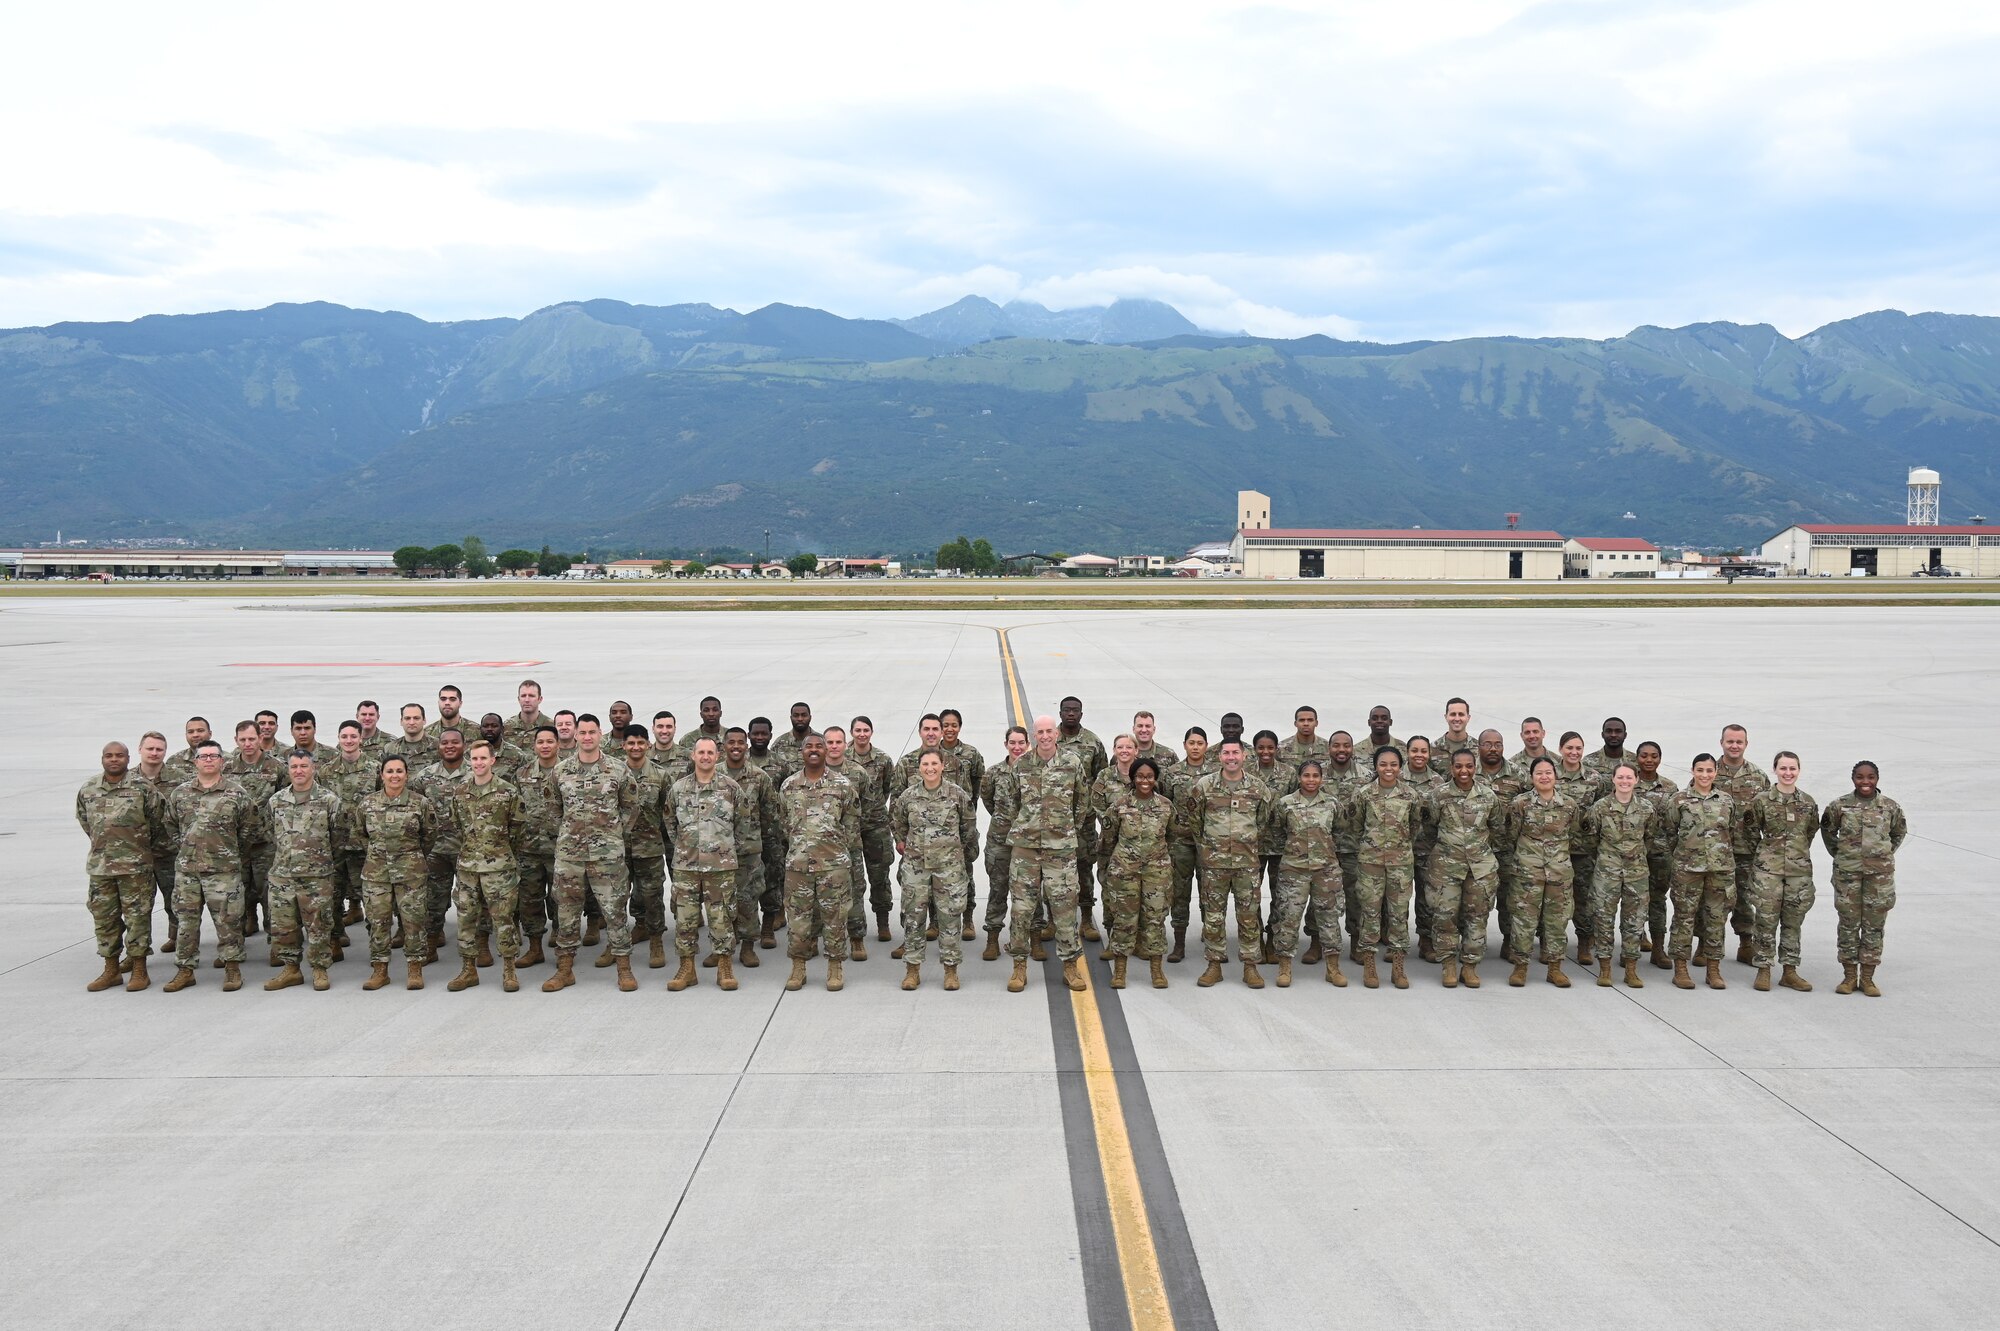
470 558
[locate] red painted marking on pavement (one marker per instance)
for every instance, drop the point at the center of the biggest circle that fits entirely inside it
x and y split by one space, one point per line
376 665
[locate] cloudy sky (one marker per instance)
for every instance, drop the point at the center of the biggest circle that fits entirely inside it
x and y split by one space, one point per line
1422 168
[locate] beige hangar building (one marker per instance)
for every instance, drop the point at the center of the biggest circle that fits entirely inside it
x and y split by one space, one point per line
1845 550
1411 555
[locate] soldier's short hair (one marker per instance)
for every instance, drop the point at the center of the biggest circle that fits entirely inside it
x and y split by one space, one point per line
1424 740
1609 719
862 721
566 712
1392 751
664 716
354 726
705 739
795 706
306 754
267 712
1567 736
368 702
479 744
1867 763
545 729
591 717
304 718
929 716
494 717
952 712
450 730
735 730
763 721
1625 767
1313 763
1226 743
620 702
1304 708
1233 716
1448 703
1143 712
1645 744
207 744
1531 720
1193 730
1550 763
828 732
1012 731
152 734
636 731
1785 753
396 758
534 684
1146 763
451 688
1072 698
1262 735
1340 734
1466 754
408 705
241 725
1699 759
711 698
1738 729
191 720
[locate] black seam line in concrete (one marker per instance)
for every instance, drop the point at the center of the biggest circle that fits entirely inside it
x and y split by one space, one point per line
688 1185
21 965
1180 1273
1952 845
1752 1079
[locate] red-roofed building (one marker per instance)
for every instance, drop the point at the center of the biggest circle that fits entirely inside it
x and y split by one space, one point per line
1861 549
1609 556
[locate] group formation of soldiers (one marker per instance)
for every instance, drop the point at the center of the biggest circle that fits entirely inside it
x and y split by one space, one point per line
603 828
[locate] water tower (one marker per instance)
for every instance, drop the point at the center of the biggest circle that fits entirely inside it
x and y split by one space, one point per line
1923 505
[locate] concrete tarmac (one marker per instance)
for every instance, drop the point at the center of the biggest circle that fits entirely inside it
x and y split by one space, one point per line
1498 1158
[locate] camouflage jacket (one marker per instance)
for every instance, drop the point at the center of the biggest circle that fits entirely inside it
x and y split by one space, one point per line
787 748
126 823
260 780
760 818
1863 835
1308 828
418 753
1584 789
996 791
177 770
540 807
1280 779
1425 785
1088 750
1389 821
1047 803
596 806
1291 751
308 831
671 760
1343 784
1741 783
398 834
375 747
1443 746
491 823
1228 819
1505 785
1177 784
938 830
521 728
1105 788
435 784
216 829
1781 828
880 767
964 766
1163 756
1468 827
905 772
1661 791
350 781
1619 833
822 821
684 746
1522 761
467 728
1135 831
646 835
1541 830
707 823
1703 830
1602 764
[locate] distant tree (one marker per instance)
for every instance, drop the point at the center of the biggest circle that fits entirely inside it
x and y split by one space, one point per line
664 569
802 564
1058 555
478 564
411 558
446 559
955 554
983 558
552 565
694 569
513 561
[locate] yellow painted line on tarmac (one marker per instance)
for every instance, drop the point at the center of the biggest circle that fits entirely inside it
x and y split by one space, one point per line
1132 1232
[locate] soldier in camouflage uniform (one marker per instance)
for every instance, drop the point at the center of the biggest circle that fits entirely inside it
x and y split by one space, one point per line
1456 737
1308 821
755 827
857 873
1388 818
930 736
1781 824
597 803
779 770
1505 781
1741 780
1109 784
1542 821
665 752
535 783
215 825
396 826
368 715
451 716
414 746
1280 779
1863 830
124 817
1344 777
707 818
308 837
1229 811
1659 852
936 829
709 728
350 774
260 775
520 728
822 822
964 767
1144 730
995 793
1532 747
787 748
305 735
1425 779
1091 756
646 846
1043 809
1179 786
492 825
434 783
179 769
1380 736
1136 825
1583 788
1468 820
1304 745
507 759
151 768
878 843
1620 827
1603 761
1702 822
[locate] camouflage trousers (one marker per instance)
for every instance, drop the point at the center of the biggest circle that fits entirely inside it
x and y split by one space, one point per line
1180 896
1701 905
1544 899
1422 895
257 877
1743 910
1461 900
1218 888
1321 890
749 890
878 857
493 895
1862 900
1583 874
300 905
647 875
121 912
1659 891
1780 902
440 872
1350 874
1503 896
603 881
773 900
405 897
857 882
533 898
999 855
222 893
1086 863
346 889
816 906
927 890
1135 909
1619 895
163 883
1383 893
1038 879
705 894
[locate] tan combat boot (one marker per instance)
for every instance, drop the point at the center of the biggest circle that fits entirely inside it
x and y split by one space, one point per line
1284 972
797 979
1520 975
509 981
109 977
416 979
628 983
173 941
321 983
747 955
232 976
1746 952
1315 953
656 953
1180 944
765 936
857 950
966 933
1763 982
1118 972
1586 956
1251 977
912 975
881 926
1212 976
950 979
378 976
1791 979
1700 951
604 959
139 977
533 956
1073 976
641 931
992 952
685 976
708 962
835 981
1397 976
1660 957
1159 973
725 975
1868 987
1036 948
592 932
1088 930
1019 979
1847 977
1682 980
468 975
1715 980
564 977
1450 965
183 977
285 978
1556 976
1632 980
1604 971
1468 975
1369 979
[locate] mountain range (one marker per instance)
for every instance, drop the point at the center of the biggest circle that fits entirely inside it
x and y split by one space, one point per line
1125 427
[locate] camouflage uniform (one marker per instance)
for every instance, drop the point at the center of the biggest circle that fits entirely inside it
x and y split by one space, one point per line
1583 789
1659 859
1781 827
126 823
467 728
1542 831
215 830
1505 784
878 843
822 823
1138 872
1308 828
596 804
755 828
1178 785
1445 745
1162 756
999 855
176 771
534 898
397 835
777 771
707 821
352 781
646 850
1863 836
1092 758
259 779
308 838
1389 822
786 752
1742 783
1292 752
1343 783
435 784
939 833
1229 818
417 753
1601 764
1703 831
1103 790
1044 808
520 728
1424 785
375 747
1619 835
857 866
1464 871
492 825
